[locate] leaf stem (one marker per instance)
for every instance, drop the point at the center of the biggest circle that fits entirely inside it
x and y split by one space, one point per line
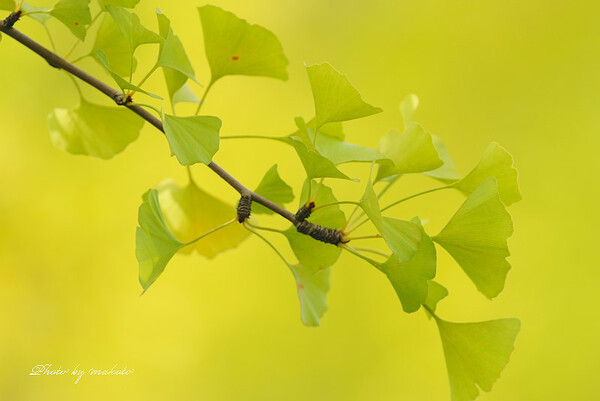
360 255
375 251
210 232
275 230
148 75
414 196
78 41
204 96
335 203
370 236
268 243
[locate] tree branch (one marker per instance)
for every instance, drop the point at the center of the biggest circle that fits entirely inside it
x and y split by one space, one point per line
60 63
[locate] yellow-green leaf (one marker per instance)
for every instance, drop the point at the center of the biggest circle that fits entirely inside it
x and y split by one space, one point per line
476 354
409 152
155 245
123 84
335 98
235 47
192 139
94 130
445 173
135 33
410 279
273 188
172 54
496 162
190 212
316 166
331 145
75 14
312 287
476 237
111 41
436 292
403 237
117 3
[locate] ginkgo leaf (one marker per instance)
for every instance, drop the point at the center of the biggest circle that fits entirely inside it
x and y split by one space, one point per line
235 47
192 139
476 238
335 98
123 84
117 3
75 14
313 287
333 147
476 354
183 94
496 162
315 165
135 33
155 245
446 173
273 188
403 237
409 152
94 130
436 292
111 41
190 212
410 279
313 254
408 106
172 54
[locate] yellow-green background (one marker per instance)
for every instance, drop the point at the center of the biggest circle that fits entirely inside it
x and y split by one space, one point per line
522 73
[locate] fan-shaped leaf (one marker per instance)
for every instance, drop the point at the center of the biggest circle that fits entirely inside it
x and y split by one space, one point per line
190 212
330 144
313 287
446 173
115 47
409 152
172 54
496 162
192 139
476 353
118 3
235 47
94 130
476 238
273 188
123 84
155 245
410 279
75 14
132 28
403 237
316 166
436 292
335 98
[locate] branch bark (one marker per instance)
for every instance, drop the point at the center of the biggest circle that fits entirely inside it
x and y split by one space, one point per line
117 96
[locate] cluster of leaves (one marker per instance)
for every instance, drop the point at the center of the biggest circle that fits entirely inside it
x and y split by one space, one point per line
175 219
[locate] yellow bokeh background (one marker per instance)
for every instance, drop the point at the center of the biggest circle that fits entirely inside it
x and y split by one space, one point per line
523 73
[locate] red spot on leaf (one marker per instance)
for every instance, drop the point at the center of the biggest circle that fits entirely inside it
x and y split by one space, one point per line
235 58
76 23
300 287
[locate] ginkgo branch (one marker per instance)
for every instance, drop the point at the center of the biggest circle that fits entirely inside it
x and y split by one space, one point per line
117 96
